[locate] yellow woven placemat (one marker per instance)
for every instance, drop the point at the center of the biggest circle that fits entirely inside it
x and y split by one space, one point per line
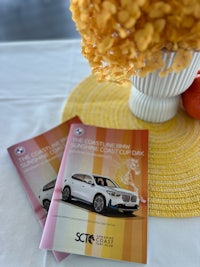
174 146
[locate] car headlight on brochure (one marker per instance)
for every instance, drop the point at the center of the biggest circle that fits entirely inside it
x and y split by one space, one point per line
113 194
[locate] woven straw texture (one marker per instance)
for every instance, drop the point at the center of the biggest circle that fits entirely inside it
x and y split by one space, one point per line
174 146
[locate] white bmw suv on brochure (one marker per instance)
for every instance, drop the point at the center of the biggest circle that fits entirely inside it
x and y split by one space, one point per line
100 192
46 194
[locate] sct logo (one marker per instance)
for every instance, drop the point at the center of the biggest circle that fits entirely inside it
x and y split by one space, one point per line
84 238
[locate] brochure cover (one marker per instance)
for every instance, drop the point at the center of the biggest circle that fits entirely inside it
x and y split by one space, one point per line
37 162
100 202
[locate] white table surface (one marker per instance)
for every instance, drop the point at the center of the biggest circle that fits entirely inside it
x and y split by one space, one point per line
35 80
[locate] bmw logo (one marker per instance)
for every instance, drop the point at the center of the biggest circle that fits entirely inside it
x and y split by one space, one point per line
79 131
19 150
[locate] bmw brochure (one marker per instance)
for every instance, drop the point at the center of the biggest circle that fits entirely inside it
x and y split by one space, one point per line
99 206
37 162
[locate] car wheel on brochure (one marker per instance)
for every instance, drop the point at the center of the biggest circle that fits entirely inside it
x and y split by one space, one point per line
99 203
66 194
46 204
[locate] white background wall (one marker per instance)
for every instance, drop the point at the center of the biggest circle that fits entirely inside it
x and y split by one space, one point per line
36 20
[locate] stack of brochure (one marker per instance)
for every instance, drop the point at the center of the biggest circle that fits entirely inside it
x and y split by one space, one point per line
88 187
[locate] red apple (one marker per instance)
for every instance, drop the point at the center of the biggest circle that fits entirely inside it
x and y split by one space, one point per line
191 98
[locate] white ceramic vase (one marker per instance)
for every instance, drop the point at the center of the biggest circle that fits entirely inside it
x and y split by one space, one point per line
156 99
